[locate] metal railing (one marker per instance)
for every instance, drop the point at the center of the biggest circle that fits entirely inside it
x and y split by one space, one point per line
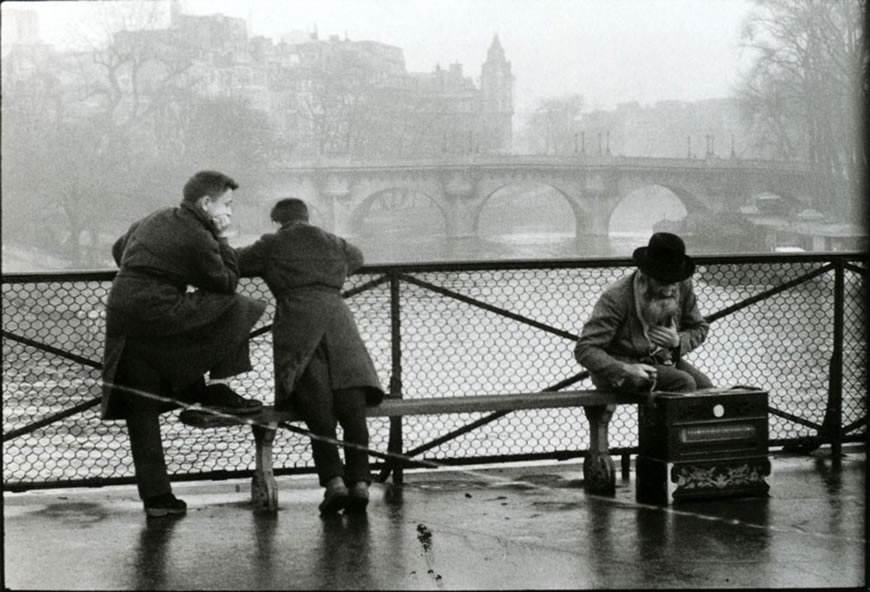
794 325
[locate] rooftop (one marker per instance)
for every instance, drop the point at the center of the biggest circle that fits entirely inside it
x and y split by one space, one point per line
508 527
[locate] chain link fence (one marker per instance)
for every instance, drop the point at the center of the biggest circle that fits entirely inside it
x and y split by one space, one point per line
463 330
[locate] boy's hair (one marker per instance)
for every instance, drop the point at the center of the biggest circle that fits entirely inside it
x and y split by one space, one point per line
210 183
289 210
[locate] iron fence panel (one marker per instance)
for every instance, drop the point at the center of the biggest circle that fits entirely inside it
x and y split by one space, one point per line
465 329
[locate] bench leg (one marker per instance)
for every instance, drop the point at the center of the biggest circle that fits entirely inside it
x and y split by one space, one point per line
599 472
394 446
264 490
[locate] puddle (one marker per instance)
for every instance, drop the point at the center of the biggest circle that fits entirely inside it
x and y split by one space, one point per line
74 512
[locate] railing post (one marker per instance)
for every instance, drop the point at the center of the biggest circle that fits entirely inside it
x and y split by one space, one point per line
837 357
395 444
833 423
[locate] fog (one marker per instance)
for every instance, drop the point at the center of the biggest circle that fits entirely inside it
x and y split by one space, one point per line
108 107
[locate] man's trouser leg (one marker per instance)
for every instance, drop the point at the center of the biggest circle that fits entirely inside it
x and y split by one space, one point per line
314 398
143 427
237 362
701 379
350 409
680 378
630 384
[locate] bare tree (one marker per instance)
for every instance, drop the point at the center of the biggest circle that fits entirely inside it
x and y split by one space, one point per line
551 127
803 93
228 133
330 95
347 103
397 123
98 134
33 110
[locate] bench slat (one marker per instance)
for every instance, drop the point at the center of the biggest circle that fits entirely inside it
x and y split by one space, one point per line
504 402
391 407
201 418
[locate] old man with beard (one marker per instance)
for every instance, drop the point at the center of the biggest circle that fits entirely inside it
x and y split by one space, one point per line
643 325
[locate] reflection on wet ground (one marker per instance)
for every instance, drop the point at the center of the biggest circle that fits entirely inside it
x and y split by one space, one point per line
502 528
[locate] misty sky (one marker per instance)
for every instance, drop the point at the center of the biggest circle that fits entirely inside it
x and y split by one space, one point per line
609 51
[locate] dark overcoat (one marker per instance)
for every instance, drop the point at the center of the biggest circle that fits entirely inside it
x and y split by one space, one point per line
305 267
152 312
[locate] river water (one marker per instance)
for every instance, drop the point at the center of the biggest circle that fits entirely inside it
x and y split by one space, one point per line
532 245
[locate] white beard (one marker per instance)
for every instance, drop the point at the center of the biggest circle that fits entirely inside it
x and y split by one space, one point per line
659 311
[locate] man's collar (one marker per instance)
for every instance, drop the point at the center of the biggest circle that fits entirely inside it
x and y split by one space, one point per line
291 223
199 214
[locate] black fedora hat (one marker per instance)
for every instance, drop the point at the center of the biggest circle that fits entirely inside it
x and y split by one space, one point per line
664 258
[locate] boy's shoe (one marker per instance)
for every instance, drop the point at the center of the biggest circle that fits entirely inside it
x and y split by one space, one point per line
223 399
336 496
164 505
359 497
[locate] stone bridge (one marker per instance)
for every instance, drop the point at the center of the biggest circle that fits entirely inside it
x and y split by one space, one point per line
342 191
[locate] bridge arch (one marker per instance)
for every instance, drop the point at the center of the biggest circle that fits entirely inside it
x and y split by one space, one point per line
400 197
579 213
668 198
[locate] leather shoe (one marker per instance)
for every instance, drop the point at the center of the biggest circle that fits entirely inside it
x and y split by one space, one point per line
336 496
165 504
359 497
222 398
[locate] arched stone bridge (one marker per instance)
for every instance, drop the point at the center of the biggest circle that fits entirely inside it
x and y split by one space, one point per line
342 191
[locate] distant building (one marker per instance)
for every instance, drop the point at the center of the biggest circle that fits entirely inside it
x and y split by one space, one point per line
22 47
19 27
669 129
446 111
324 96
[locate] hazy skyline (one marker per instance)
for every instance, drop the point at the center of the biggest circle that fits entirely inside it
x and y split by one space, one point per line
609 51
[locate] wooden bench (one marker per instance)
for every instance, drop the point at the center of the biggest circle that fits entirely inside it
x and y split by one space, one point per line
598 468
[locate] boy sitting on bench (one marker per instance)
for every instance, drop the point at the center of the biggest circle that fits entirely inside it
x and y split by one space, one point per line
162 337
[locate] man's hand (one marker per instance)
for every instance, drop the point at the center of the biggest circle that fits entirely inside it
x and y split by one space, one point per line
644 371
666 337
222 223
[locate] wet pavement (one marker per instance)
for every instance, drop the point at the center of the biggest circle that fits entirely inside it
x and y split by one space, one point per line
519 527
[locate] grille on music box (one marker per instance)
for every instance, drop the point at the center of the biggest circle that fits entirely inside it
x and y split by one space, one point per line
711 443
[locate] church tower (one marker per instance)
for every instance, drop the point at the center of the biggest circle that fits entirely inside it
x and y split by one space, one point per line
496 100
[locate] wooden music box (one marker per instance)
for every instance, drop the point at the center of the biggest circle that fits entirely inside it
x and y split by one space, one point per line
709 443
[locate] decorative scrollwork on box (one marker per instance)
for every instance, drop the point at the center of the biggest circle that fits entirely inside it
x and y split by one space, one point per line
716 477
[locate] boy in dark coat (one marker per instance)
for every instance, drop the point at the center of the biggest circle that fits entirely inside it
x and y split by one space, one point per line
322 365
162 336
